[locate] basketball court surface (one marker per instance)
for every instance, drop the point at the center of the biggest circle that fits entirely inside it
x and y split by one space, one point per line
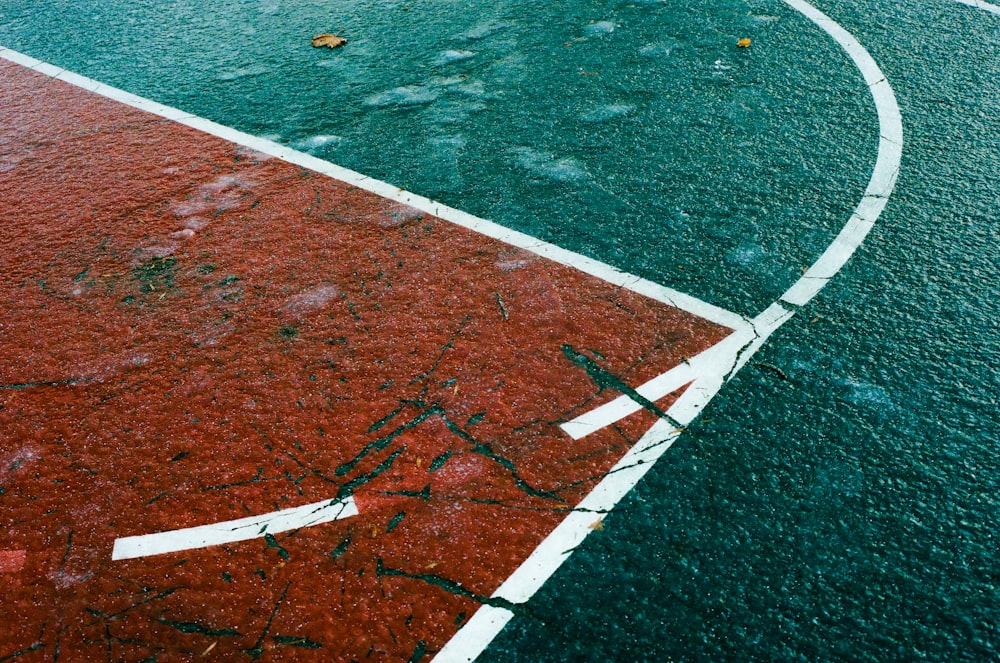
585 332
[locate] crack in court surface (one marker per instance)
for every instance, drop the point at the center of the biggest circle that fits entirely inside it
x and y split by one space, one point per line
336 407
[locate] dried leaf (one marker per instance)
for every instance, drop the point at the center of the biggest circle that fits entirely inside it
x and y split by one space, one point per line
743 43
597 525
330 41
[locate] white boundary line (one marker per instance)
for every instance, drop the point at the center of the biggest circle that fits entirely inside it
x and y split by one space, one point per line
231 531
584 264
708 372
985 6
714 367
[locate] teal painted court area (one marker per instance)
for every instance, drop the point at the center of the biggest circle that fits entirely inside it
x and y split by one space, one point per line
837 499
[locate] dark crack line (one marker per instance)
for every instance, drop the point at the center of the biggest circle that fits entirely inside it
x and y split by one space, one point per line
255 479
256 651
273 543
503 308
505 504
386 419
774 369
444 349
109 641
348 488
605 379
296 641
384 441
739 355
341 547
418 652
450 586
423 494
484 450
27 650
195 627
57 383
113 615
316 473
62 562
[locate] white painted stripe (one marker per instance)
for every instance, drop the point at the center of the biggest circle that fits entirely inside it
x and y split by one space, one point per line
621 407
562 256
719 364
571 532
884 174
232 531
723 359
981 5
485 624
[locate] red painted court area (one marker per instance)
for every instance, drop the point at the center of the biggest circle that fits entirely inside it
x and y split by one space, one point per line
194 333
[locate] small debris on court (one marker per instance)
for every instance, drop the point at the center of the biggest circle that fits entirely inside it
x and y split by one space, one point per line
742 43
330 41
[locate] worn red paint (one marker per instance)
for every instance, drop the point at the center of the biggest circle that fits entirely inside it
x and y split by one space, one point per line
11 560
193 332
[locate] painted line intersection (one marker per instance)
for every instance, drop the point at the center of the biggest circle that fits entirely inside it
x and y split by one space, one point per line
431 462
233 344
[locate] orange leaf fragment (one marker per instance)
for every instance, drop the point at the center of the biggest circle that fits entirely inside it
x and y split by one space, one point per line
743 43
330 41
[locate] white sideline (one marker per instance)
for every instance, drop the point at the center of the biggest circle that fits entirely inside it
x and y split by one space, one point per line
718 365
706 375
562 256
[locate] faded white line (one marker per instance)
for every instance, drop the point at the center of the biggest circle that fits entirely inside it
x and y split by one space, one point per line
232 531
721 363
985 6
562 256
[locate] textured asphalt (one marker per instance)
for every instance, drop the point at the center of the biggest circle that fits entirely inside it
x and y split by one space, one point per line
838 499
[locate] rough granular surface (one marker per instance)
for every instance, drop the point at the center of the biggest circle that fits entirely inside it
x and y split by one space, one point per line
195 333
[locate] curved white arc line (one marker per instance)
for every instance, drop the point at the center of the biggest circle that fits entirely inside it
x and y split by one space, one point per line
884 174
487 622
595 268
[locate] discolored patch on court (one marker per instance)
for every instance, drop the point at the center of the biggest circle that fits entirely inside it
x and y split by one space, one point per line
194 333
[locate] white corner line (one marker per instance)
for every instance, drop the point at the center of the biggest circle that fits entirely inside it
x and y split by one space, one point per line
985 6
600 270
476 634
725 359
232 531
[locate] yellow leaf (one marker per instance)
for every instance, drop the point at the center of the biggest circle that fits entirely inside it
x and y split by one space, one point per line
742 43
330 41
